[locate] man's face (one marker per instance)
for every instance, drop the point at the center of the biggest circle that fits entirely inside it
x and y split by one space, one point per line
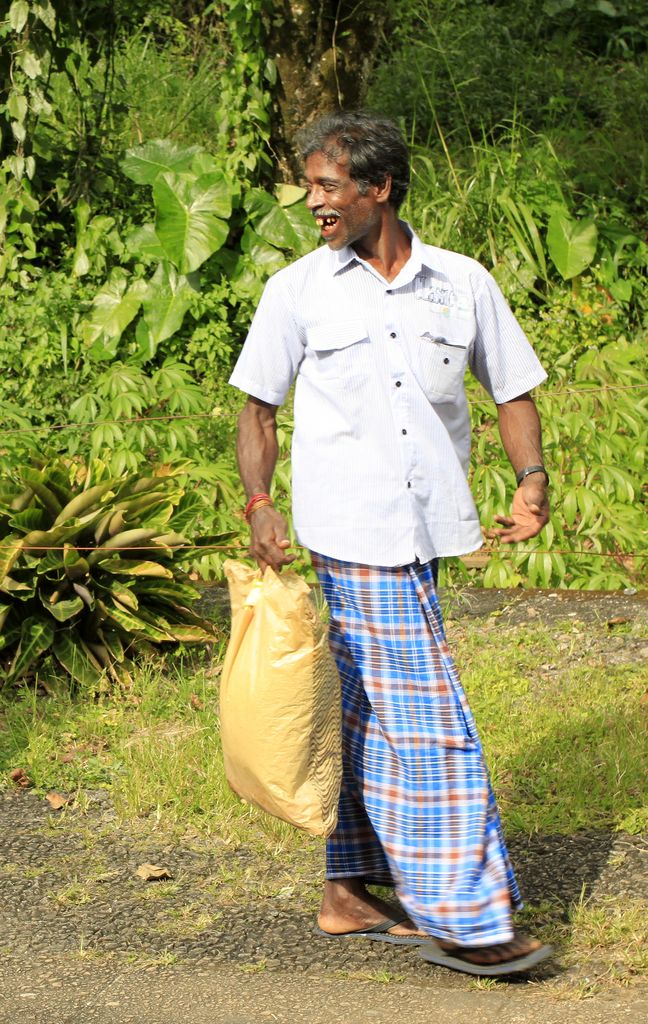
343 215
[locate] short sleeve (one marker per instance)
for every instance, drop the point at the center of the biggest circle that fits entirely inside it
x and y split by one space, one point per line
502 358
273 349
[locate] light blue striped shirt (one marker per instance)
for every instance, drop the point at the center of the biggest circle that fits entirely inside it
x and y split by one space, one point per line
382 429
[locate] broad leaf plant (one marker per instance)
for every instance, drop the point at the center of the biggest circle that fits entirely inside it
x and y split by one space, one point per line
88 569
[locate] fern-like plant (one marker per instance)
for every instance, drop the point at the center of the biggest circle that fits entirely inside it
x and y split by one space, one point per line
87 571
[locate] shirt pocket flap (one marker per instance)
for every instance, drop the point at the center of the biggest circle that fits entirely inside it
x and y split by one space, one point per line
331 336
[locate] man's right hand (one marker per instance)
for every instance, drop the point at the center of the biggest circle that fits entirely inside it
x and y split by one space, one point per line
269 539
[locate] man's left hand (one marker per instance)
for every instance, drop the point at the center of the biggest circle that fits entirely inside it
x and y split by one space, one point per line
529 513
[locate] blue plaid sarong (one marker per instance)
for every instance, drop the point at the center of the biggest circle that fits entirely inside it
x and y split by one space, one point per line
417 810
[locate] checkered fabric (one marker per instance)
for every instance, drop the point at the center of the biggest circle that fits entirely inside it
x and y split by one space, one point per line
416 810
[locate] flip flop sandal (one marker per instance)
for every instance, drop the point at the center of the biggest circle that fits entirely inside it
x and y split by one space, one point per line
379 933
453 959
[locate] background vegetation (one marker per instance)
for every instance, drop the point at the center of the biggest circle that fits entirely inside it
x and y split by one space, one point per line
147 189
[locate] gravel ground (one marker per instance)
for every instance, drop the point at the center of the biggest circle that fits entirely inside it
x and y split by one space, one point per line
70 885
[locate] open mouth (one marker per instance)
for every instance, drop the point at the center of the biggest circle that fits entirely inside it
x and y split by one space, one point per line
326 221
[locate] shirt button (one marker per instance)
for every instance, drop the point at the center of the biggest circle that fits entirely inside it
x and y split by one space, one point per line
409 484
446 360
393 334
398 383
403 431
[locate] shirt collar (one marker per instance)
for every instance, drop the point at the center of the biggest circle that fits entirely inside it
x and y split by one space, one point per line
419 257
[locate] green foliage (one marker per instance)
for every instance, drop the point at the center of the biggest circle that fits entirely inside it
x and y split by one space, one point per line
595 450
571 244
139 222
87 572
574 71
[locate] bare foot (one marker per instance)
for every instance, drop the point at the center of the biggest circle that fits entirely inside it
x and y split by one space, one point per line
348 907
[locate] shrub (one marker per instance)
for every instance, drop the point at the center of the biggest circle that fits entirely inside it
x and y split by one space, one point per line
87 572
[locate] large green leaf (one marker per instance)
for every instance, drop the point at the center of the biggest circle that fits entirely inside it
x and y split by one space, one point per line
145 243
126 539
39 540
49 499
18 588
5 610
187 511
36 637
571 243
75 657
112 642
63 610
85 502
144 163
190 214
120 592
18 14
8 636
189 634
122 567
169 592
76 566
167 299
31 519
286 227
10 548
132 624
113 308
288 195
265 257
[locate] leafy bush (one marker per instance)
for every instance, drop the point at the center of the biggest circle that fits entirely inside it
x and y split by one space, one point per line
87 572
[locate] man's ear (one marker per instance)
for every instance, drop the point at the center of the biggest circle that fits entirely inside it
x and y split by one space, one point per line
383 191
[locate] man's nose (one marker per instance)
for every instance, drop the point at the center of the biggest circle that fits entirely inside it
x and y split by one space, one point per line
314 197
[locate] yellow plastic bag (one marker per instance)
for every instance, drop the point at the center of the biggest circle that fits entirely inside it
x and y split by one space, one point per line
280 701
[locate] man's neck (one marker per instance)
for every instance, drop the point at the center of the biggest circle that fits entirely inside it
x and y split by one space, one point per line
387 249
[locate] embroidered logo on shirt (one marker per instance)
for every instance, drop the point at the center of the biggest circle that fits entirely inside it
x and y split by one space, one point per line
439 294
441 298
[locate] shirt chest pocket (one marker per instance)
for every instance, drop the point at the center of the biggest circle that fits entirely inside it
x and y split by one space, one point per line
337 350
440 356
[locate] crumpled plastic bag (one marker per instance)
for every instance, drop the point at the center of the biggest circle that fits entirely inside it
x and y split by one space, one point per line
280 709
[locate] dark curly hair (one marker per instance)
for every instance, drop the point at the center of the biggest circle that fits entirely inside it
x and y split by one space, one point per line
374 145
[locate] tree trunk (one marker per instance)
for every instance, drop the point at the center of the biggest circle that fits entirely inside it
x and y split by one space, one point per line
324 53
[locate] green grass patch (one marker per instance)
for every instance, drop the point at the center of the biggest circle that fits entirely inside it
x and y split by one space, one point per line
564 731
155 746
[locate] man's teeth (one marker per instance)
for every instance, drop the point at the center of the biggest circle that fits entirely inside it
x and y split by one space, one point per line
326 222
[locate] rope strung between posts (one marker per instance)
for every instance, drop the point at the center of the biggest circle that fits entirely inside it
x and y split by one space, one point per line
238 547
208 415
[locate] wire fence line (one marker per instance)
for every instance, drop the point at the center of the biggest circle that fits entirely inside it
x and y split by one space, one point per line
585 552
170 417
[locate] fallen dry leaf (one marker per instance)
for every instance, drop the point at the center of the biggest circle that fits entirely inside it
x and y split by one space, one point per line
617 620
20 777
196 702
56 801
152 872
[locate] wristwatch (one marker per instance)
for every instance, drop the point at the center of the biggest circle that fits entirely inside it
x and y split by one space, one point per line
527 471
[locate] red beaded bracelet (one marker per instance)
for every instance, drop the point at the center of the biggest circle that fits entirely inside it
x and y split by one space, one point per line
257 501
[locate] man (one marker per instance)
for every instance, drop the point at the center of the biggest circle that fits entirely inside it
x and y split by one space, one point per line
377 329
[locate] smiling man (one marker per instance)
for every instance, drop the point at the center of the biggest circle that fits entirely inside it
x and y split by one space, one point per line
377 330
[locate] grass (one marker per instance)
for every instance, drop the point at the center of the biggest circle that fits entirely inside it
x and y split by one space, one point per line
563 728
565 732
